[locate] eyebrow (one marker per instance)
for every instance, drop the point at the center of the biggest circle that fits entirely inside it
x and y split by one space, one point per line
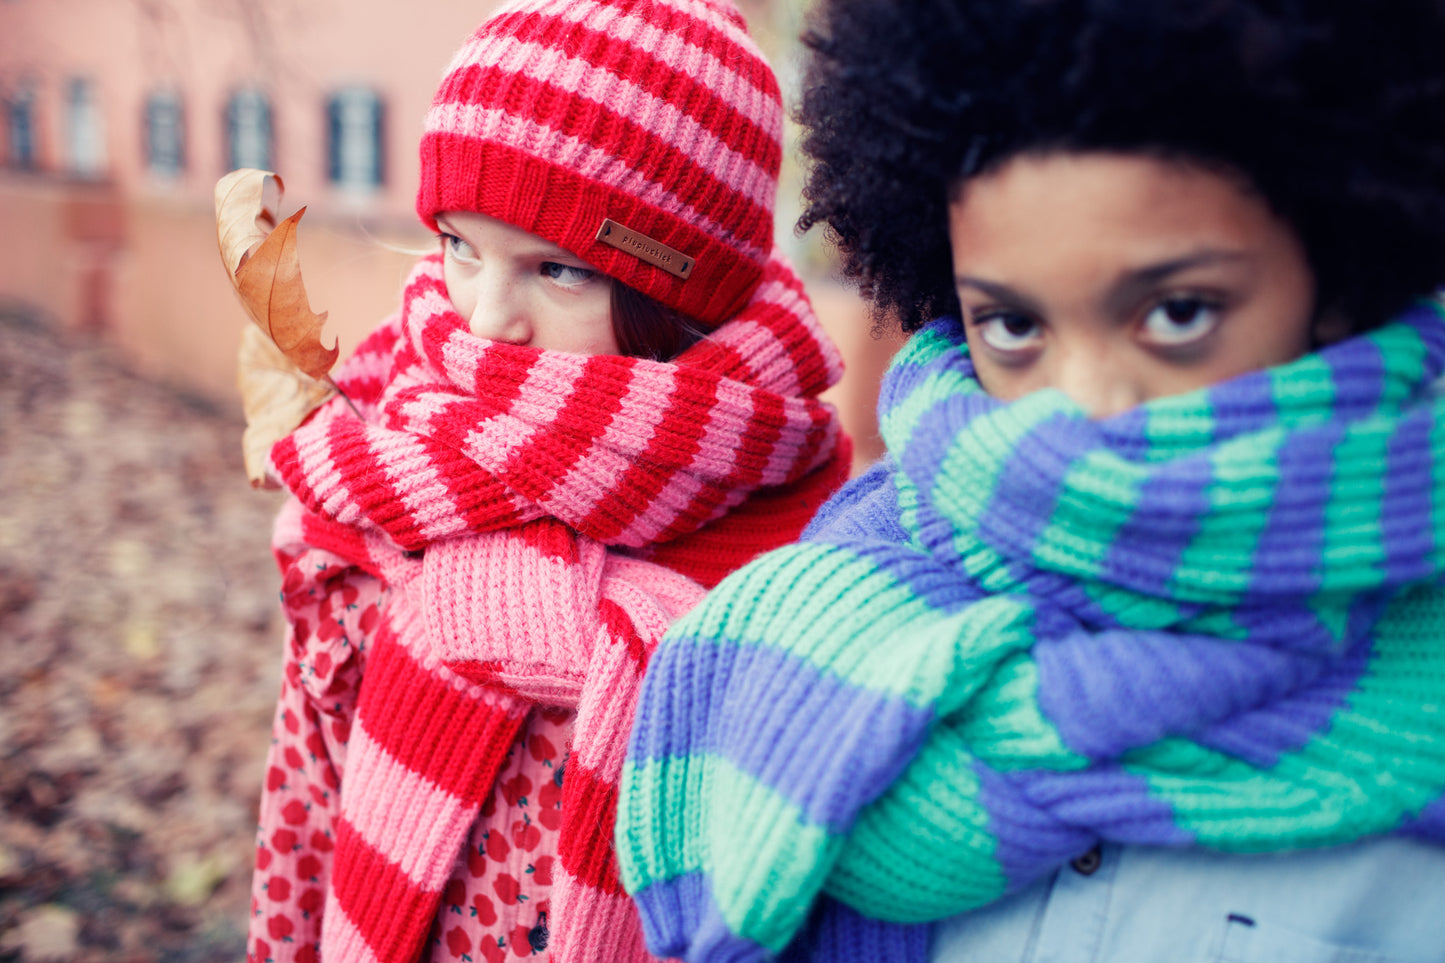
1125 290
999 292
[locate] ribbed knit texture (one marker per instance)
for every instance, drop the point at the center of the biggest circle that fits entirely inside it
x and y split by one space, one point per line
510 500
661 115
470 435
1211 621
473 635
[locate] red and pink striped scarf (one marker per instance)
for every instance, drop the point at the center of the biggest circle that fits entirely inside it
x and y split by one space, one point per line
464 486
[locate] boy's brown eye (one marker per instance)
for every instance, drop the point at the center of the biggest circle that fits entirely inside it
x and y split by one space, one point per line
1007 330
1017 325
1181 320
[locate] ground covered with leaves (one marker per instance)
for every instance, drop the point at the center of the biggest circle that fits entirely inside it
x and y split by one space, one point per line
139 660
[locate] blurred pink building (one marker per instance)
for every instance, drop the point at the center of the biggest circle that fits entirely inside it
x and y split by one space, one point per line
118 116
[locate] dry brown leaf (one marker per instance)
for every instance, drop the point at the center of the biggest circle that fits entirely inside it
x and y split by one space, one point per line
276 395
246 205
265 268
282 368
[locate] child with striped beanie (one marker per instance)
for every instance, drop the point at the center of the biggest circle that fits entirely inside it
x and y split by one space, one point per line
598 397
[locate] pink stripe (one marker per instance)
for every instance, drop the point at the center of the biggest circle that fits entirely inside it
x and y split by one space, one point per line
578 155
661 118
765 360
643 407
673 501
340 939
314 457
417 820
539 401
412 473
757 104
596 926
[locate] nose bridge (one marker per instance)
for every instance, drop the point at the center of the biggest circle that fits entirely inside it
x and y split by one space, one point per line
498 311
1094 371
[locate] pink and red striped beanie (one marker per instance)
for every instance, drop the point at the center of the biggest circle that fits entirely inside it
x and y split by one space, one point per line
644 136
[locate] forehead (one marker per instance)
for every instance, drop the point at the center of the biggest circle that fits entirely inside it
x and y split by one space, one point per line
1145 207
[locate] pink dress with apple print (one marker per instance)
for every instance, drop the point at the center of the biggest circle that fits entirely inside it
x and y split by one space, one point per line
495 905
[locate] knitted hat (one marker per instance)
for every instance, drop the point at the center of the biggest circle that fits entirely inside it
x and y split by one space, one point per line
644 136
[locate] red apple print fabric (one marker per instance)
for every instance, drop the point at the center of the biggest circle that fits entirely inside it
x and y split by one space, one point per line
495 906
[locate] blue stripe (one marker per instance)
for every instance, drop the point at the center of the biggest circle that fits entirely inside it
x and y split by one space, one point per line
1109 692
1029 842
1265 735
1407 522
680 916
1241 405
820 742
1170 502
1117 806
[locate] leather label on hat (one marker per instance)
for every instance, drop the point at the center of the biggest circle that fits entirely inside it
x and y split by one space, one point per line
656 253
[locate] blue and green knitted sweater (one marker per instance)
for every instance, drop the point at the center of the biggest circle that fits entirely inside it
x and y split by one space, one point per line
1210 621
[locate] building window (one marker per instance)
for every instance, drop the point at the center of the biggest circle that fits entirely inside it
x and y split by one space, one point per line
355 145
84 130
248 130
165 134
21 150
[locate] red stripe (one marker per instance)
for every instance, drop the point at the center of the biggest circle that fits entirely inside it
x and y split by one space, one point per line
760 439
723 361
695 96
621 629
675 442
392 914
785 321
634 146
366 481
483 503
535 468
342 540
458 740
589 817
374 356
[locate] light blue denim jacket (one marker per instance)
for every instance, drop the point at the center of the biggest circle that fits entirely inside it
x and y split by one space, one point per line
1378 901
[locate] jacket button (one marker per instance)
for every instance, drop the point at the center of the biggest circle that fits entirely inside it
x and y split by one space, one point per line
1087 864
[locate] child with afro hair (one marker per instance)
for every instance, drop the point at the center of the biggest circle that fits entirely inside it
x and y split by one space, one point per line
1132 647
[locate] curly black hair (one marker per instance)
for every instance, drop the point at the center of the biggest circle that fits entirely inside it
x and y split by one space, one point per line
1333 110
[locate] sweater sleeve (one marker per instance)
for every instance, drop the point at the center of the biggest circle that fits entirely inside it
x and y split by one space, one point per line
329 607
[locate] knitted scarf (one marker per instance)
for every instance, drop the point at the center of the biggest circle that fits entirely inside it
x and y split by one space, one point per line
464 435
1212 621
464 487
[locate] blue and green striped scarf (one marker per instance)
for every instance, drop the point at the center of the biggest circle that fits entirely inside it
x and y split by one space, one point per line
1210 621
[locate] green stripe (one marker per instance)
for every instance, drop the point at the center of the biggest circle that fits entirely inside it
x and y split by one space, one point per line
1334 789
766 862
1097 496
855 622
892 864
1353 552
1217 565
1005 726
898 424
969 474
1177 425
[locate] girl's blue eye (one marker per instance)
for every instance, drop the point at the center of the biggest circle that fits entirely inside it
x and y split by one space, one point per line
566 274
457 248
1008 331
1181 320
